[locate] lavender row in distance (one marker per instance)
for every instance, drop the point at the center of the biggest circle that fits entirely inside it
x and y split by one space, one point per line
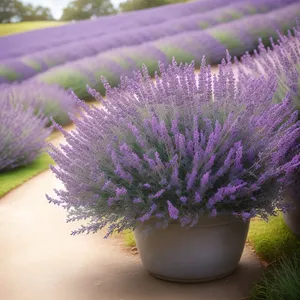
25 43
24 67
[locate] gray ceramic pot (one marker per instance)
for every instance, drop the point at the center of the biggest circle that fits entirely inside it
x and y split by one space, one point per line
292 218
210 250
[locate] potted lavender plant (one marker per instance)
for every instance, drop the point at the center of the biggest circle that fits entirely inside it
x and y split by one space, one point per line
282 61
184 161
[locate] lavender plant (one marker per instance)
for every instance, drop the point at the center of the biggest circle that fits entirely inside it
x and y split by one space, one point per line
281 60
22 134
282 63
177 149
52 100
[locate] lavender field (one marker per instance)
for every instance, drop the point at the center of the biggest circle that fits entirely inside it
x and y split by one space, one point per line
40 68
126 122
28 65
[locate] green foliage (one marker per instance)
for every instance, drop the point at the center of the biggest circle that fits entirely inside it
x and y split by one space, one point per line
85 9
129 239
68 79
272 239
14 9
178 53
10 9
281 281
9 74
228 39
130 5
13 178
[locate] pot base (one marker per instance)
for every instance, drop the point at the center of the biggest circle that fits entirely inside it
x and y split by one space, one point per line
193 280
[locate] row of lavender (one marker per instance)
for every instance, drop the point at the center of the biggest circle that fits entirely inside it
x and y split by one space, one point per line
25 43
237 36
26 66
26 114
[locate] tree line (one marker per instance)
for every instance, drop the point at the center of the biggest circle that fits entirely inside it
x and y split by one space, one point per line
17 11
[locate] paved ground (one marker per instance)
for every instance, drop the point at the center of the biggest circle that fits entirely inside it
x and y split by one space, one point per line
39 260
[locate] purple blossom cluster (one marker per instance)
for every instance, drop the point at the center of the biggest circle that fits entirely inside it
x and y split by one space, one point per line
53 101
37 62
22 134
176 149
25 43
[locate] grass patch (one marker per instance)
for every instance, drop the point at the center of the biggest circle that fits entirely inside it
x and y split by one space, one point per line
281 281
14 178
272 240
12 28
128 238
275 243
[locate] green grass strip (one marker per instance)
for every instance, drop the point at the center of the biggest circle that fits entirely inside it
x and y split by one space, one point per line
272 240
12 28
14 178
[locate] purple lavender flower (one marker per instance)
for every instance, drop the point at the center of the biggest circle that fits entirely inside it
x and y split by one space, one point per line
148 215
183 200
120 192
173 211
197 197
158 194
137 200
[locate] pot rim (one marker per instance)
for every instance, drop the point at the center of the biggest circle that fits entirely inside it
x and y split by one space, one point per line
220 220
